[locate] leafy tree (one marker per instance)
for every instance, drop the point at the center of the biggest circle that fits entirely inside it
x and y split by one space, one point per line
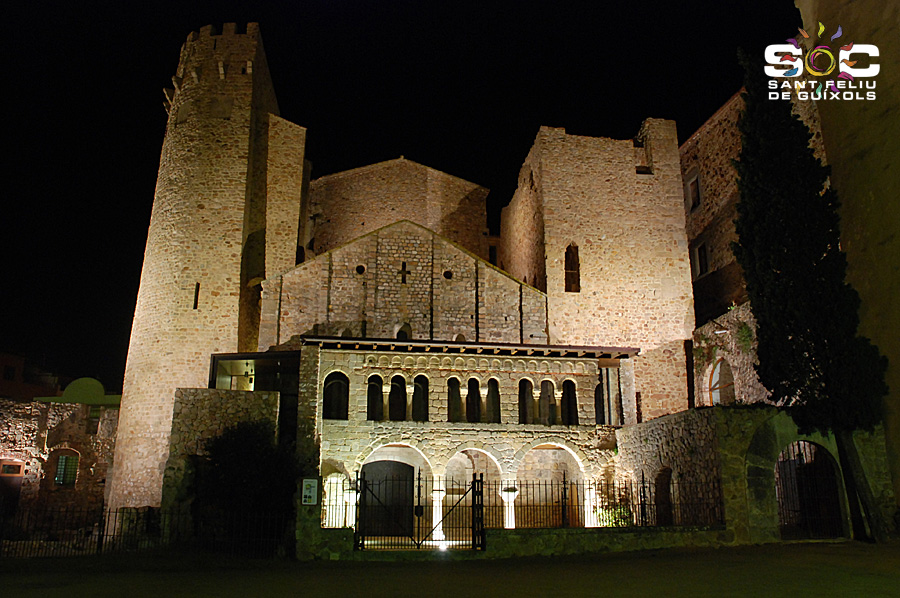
247 470
810 356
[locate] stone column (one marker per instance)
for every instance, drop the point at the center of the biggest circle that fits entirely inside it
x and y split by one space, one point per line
556 408
509 492
386 401
437 508
410 393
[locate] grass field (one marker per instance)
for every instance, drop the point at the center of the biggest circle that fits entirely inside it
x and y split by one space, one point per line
796 570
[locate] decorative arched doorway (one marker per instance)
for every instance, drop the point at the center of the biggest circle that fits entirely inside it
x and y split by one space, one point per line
806 484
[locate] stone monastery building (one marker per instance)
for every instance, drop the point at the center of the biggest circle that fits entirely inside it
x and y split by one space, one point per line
370 312
417 335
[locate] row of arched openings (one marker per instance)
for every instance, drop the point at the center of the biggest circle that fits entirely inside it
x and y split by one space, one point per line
544 409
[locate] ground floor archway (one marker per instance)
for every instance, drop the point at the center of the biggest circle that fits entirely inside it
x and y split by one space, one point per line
808 492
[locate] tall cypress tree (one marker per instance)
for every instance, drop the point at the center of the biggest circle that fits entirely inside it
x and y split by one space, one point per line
811 358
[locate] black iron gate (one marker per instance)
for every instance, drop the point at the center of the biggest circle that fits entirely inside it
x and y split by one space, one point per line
806 484
402 513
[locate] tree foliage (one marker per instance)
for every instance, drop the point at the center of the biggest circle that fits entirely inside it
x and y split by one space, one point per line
810 356
247 470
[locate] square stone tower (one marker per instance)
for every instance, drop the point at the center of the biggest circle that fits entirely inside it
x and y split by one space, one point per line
598 224
226 212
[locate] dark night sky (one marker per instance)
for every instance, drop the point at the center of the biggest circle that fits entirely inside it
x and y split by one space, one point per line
460 86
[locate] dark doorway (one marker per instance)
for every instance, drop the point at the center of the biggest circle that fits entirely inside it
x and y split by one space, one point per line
388 499
806 484
662 497
12 472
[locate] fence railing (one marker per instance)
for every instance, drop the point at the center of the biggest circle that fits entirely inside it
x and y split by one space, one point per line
417 507
37 532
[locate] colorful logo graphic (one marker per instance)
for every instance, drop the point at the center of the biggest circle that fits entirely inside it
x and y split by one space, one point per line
818 64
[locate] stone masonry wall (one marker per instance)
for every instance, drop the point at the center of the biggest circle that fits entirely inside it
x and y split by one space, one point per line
206 237
200 414
522 225
358 290
345 444
622 207
285 172
353 203
731 337
35 433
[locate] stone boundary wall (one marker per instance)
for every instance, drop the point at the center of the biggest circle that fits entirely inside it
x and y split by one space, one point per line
684 442
743 445
200 414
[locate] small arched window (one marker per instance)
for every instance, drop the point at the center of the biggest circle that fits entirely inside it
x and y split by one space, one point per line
335 396
397 399
569 407
599 404
375 399
473 402
420 399
526 402
454 401
404 333
573 269
493 402
721 384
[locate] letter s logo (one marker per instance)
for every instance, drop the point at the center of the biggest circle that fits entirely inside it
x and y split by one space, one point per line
772 58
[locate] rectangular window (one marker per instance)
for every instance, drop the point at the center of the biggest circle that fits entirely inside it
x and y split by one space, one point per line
573 270
66 470
694 192
196 295
700 259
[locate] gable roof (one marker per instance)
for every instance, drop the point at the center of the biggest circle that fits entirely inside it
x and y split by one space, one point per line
386 164
426 230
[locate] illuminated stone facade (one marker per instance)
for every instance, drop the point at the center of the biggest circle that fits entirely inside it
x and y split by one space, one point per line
589 307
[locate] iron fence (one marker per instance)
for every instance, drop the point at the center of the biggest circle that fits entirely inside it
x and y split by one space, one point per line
432 512
564 503
38 532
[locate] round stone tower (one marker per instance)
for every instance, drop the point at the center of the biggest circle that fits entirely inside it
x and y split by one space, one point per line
205 244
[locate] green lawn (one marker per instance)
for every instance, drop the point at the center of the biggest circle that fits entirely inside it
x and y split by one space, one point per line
796 570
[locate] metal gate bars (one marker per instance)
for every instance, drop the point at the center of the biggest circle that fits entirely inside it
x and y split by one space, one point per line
420 513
